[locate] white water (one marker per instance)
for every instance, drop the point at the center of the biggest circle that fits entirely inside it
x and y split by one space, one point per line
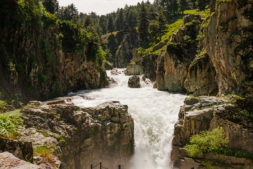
154 113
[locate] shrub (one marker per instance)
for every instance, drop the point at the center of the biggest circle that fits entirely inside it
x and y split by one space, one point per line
207 141
9 124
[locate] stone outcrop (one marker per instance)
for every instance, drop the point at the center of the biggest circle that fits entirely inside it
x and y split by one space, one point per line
66 136
45 60
22 150
228 40
200 78
172 64
9 161
207 113
134 82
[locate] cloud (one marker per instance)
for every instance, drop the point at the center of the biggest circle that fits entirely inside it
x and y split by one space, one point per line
101 7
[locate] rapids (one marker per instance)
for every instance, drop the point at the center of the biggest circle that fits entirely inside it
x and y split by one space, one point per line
154 113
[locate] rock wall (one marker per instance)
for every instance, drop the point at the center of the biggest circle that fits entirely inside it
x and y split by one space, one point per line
200 78
43 57
172 64
207 113
228 40
66 136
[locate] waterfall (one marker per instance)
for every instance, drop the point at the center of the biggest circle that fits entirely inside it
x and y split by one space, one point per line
154 113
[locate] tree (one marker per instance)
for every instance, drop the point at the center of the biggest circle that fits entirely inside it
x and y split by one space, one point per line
51 5
174 6
162 25
193 3
143 24
120 21
183 5
131 19
69 13
110 25
201 4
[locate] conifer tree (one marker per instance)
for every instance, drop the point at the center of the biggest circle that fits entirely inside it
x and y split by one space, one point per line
143 24
110 25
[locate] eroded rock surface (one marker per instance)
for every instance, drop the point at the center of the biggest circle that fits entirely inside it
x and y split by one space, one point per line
207 113
229 44
9 161
172 64
67 136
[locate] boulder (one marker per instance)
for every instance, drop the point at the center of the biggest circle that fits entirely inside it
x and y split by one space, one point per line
134 82
9 161
75 137
20 149
115 71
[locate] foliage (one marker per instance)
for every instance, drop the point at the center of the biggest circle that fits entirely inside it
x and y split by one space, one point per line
9 124
46 153
207 141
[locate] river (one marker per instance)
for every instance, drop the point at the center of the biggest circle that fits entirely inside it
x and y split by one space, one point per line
154 113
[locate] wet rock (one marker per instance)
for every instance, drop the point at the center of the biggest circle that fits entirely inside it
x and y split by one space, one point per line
9 161
115 71
134 82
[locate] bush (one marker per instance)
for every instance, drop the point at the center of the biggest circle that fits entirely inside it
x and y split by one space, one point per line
207 141
9 124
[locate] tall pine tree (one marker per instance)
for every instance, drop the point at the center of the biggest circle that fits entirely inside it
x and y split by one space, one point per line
143 24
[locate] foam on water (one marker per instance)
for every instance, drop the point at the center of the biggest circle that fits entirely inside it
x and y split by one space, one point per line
154 113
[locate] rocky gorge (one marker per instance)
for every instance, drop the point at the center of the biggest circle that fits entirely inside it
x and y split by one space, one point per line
206 55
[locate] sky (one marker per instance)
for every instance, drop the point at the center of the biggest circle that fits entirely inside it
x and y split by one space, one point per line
101 7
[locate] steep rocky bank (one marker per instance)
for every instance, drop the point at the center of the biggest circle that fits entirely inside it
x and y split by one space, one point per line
65 136
207 113
228 41
43 57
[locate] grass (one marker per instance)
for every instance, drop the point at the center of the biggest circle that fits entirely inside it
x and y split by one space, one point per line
3 107
172 28
9 124
46 153
203 14
207 141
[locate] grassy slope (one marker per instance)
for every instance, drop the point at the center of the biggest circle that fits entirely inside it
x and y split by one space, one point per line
173 26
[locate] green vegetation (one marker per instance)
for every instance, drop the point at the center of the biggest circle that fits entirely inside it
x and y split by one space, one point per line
9 124
46 153
42 38
207 141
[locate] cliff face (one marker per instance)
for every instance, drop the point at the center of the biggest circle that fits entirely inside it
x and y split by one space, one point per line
208 113
66 136
172 64
42 57
229 44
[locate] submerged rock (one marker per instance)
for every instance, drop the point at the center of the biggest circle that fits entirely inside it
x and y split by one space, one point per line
134 82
